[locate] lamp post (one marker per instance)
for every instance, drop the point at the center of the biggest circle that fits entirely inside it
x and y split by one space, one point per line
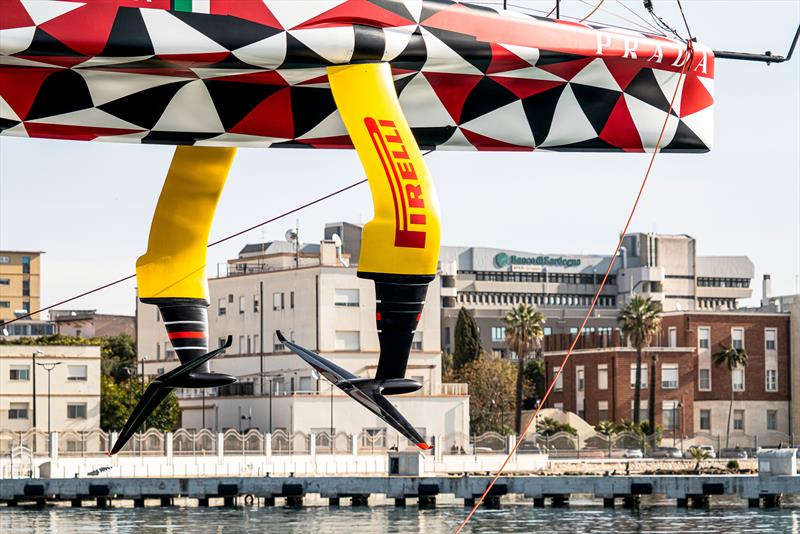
270 404
48 367
33 370
144 424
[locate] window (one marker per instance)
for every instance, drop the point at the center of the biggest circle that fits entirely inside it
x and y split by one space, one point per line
76 372
770 339
241 345
416 342
26 288
558 406
704 380
18 410
738 420
26 264
705 420
498 334
5 281
256 346
644 376
602 376
291 300
241 305
737 379
559 378
772 380
673 336
670 415
703 337
76 411
277 301
602 411
255 303
643 415
249 345
580 378
19 372
230 298
346 298
5 304
772 420
669 375
221 309
159 371
158 351
277 346
737 338
347 340
221 342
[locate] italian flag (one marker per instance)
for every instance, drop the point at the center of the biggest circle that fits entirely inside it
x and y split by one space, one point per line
192 6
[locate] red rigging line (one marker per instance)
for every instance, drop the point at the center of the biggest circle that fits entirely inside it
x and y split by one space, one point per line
227 238
686 66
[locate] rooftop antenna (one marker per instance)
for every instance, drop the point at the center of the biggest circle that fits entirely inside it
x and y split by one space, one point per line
293 236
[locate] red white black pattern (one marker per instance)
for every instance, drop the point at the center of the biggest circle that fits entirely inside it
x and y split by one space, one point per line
252 73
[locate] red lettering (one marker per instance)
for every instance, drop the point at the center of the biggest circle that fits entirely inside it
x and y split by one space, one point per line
407 171
414 195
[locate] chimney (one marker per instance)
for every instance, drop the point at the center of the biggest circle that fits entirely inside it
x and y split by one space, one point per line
766 290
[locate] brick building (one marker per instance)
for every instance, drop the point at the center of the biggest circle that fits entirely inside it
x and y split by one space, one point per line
692 394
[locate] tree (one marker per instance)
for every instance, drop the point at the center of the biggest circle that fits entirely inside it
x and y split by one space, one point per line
535 385
468 340
548 426
117 400
640 319
524 333
491 382
733 358
118 354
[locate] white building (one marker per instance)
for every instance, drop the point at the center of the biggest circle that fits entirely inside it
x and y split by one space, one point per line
74 391
320 303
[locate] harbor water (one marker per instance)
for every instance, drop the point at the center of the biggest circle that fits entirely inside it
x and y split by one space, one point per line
379 519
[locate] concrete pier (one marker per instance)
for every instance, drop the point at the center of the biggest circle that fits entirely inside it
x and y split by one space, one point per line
686 490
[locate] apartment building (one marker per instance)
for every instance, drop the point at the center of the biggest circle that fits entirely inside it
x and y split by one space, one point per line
20 283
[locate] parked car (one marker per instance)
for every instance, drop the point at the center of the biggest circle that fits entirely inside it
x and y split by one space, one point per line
633 453
733 453
666 452
708 448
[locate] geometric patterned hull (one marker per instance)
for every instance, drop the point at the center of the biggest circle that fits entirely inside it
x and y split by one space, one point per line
252 73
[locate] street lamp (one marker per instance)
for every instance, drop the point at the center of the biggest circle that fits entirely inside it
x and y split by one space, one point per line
33 370
144 424
48 367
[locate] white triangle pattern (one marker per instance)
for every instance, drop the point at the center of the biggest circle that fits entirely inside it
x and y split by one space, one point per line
190 110
507 124
335 44
596 74
569 125
396 40
331 126
648 121
6 112
41 11
421 106
442 58
291 13
170 35
91 117
16 40
268 53
106 86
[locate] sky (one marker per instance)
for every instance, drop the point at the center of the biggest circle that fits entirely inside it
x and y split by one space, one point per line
88 205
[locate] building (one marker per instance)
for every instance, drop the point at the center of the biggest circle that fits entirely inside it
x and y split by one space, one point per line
489 281
693 395
74 387
20 283
312 294
89 323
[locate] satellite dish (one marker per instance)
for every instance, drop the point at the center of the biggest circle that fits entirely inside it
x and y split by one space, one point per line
291 235
5 331
336 240
678 306
315 374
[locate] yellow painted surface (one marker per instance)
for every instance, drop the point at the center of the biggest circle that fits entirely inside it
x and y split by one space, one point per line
404 235
175 262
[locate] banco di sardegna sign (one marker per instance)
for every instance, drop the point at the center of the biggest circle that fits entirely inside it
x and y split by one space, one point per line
502 259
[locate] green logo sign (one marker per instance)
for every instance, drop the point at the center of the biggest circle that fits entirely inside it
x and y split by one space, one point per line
501 259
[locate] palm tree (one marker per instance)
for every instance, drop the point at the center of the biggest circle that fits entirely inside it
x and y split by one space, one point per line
524 333
640 319
732 358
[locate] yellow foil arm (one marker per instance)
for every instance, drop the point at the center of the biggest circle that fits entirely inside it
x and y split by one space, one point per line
403 237
175 262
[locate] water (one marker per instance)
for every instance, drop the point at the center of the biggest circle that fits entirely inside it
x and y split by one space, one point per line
444 519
